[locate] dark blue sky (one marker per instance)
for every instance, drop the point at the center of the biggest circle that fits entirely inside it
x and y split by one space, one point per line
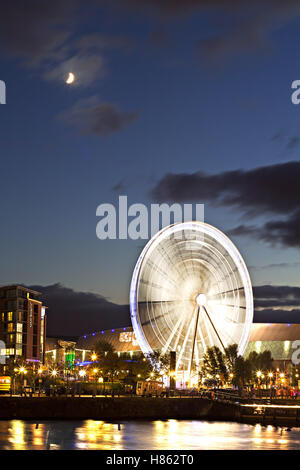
199 89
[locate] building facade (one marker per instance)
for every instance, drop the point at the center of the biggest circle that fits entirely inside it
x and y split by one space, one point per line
22 324
278 338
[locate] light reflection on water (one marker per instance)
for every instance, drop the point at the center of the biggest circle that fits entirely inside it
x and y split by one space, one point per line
170 434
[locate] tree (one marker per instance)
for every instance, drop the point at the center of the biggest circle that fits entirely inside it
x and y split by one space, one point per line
102 347
231 355
242 372
214 364
160 363
138 368
261 361
109 361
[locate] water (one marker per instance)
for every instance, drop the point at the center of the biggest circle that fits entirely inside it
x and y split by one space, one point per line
132 435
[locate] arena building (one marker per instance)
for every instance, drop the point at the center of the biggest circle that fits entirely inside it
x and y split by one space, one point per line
278 338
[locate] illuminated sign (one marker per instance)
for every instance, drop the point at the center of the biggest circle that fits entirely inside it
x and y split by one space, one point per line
128 337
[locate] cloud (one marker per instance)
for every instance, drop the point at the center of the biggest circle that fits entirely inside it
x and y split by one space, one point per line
296 264
86 67
276 304
268 190
284 232
75 313
120 186
33 29
272 188
293 142
91 116
98 41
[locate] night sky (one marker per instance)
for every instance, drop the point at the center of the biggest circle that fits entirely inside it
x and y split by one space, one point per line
177 101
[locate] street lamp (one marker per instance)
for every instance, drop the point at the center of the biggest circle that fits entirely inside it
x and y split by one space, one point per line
94 357
82 373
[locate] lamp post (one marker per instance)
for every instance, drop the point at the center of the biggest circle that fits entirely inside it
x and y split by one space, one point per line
40 371
82 375
22 371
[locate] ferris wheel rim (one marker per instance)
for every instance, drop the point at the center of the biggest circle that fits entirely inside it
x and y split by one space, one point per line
225 242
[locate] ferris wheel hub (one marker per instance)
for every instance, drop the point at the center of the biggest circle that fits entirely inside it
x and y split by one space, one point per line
201 299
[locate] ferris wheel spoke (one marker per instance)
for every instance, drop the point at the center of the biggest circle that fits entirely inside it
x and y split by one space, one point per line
194 338
179 332
213 326
182 350
170 338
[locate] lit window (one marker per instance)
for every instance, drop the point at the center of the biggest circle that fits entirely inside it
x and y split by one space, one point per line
9 316
10 327
19 327
19 338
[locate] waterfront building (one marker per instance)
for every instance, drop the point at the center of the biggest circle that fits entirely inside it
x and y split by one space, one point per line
276 337
22 324
62 352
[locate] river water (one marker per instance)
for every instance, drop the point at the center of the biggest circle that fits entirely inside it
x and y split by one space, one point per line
137 435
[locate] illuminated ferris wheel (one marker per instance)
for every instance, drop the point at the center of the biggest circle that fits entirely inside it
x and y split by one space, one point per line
190 290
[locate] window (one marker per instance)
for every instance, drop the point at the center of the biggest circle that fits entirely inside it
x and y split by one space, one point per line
10 352
3 316
19 338
10 327
11 293
9 316
11 305
19 327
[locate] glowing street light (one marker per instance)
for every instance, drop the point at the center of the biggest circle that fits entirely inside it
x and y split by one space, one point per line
54 373
258 373
94 357
82 373
95 371
270 375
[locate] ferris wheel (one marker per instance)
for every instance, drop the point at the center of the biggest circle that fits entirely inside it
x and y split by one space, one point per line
190 290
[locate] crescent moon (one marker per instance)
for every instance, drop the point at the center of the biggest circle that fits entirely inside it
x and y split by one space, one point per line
71 78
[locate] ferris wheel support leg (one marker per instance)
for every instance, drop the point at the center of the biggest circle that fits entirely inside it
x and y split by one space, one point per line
194 341
215 330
